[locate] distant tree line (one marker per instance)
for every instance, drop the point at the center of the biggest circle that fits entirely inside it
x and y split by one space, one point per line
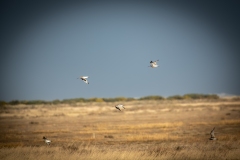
194 96
116 99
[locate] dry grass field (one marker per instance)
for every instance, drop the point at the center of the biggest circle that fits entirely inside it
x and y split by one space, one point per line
144 130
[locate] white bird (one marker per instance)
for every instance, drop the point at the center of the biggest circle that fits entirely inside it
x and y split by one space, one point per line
153 64
119 106
212 135
47 141
84 78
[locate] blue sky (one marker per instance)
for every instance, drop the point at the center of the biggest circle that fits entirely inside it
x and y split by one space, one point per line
113 43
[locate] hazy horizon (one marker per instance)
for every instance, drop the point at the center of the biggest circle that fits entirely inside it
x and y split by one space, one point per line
221 95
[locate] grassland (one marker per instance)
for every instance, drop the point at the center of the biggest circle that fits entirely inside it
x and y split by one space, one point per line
163 129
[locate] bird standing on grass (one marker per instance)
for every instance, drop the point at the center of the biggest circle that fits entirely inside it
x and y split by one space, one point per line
153 64
119 106
212 135
84 78
47 141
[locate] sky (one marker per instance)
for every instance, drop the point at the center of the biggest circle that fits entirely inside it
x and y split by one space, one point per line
47 45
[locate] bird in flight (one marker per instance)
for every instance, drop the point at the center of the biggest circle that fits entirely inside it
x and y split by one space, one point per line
119 106
212 135
153 64
47 141
84 78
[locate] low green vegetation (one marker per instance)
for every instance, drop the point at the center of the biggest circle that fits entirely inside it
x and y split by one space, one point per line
116 99
152 98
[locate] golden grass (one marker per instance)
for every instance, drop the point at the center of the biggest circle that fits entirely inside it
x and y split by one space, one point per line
152 137
221 122
206 150
144 130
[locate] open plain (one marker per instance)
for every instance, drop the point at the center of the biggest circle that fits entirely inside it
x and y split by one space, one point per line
161 129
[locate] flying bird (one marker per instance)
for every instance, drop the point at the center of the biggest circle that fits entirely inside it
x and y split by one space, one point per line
212 135
84 78
153 64
119 106
47 141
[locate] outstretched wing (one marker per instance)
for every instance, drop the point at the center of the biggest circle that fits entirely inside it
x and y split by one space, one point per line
119 105
155 62
118 108
85 80
212 133
85 77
